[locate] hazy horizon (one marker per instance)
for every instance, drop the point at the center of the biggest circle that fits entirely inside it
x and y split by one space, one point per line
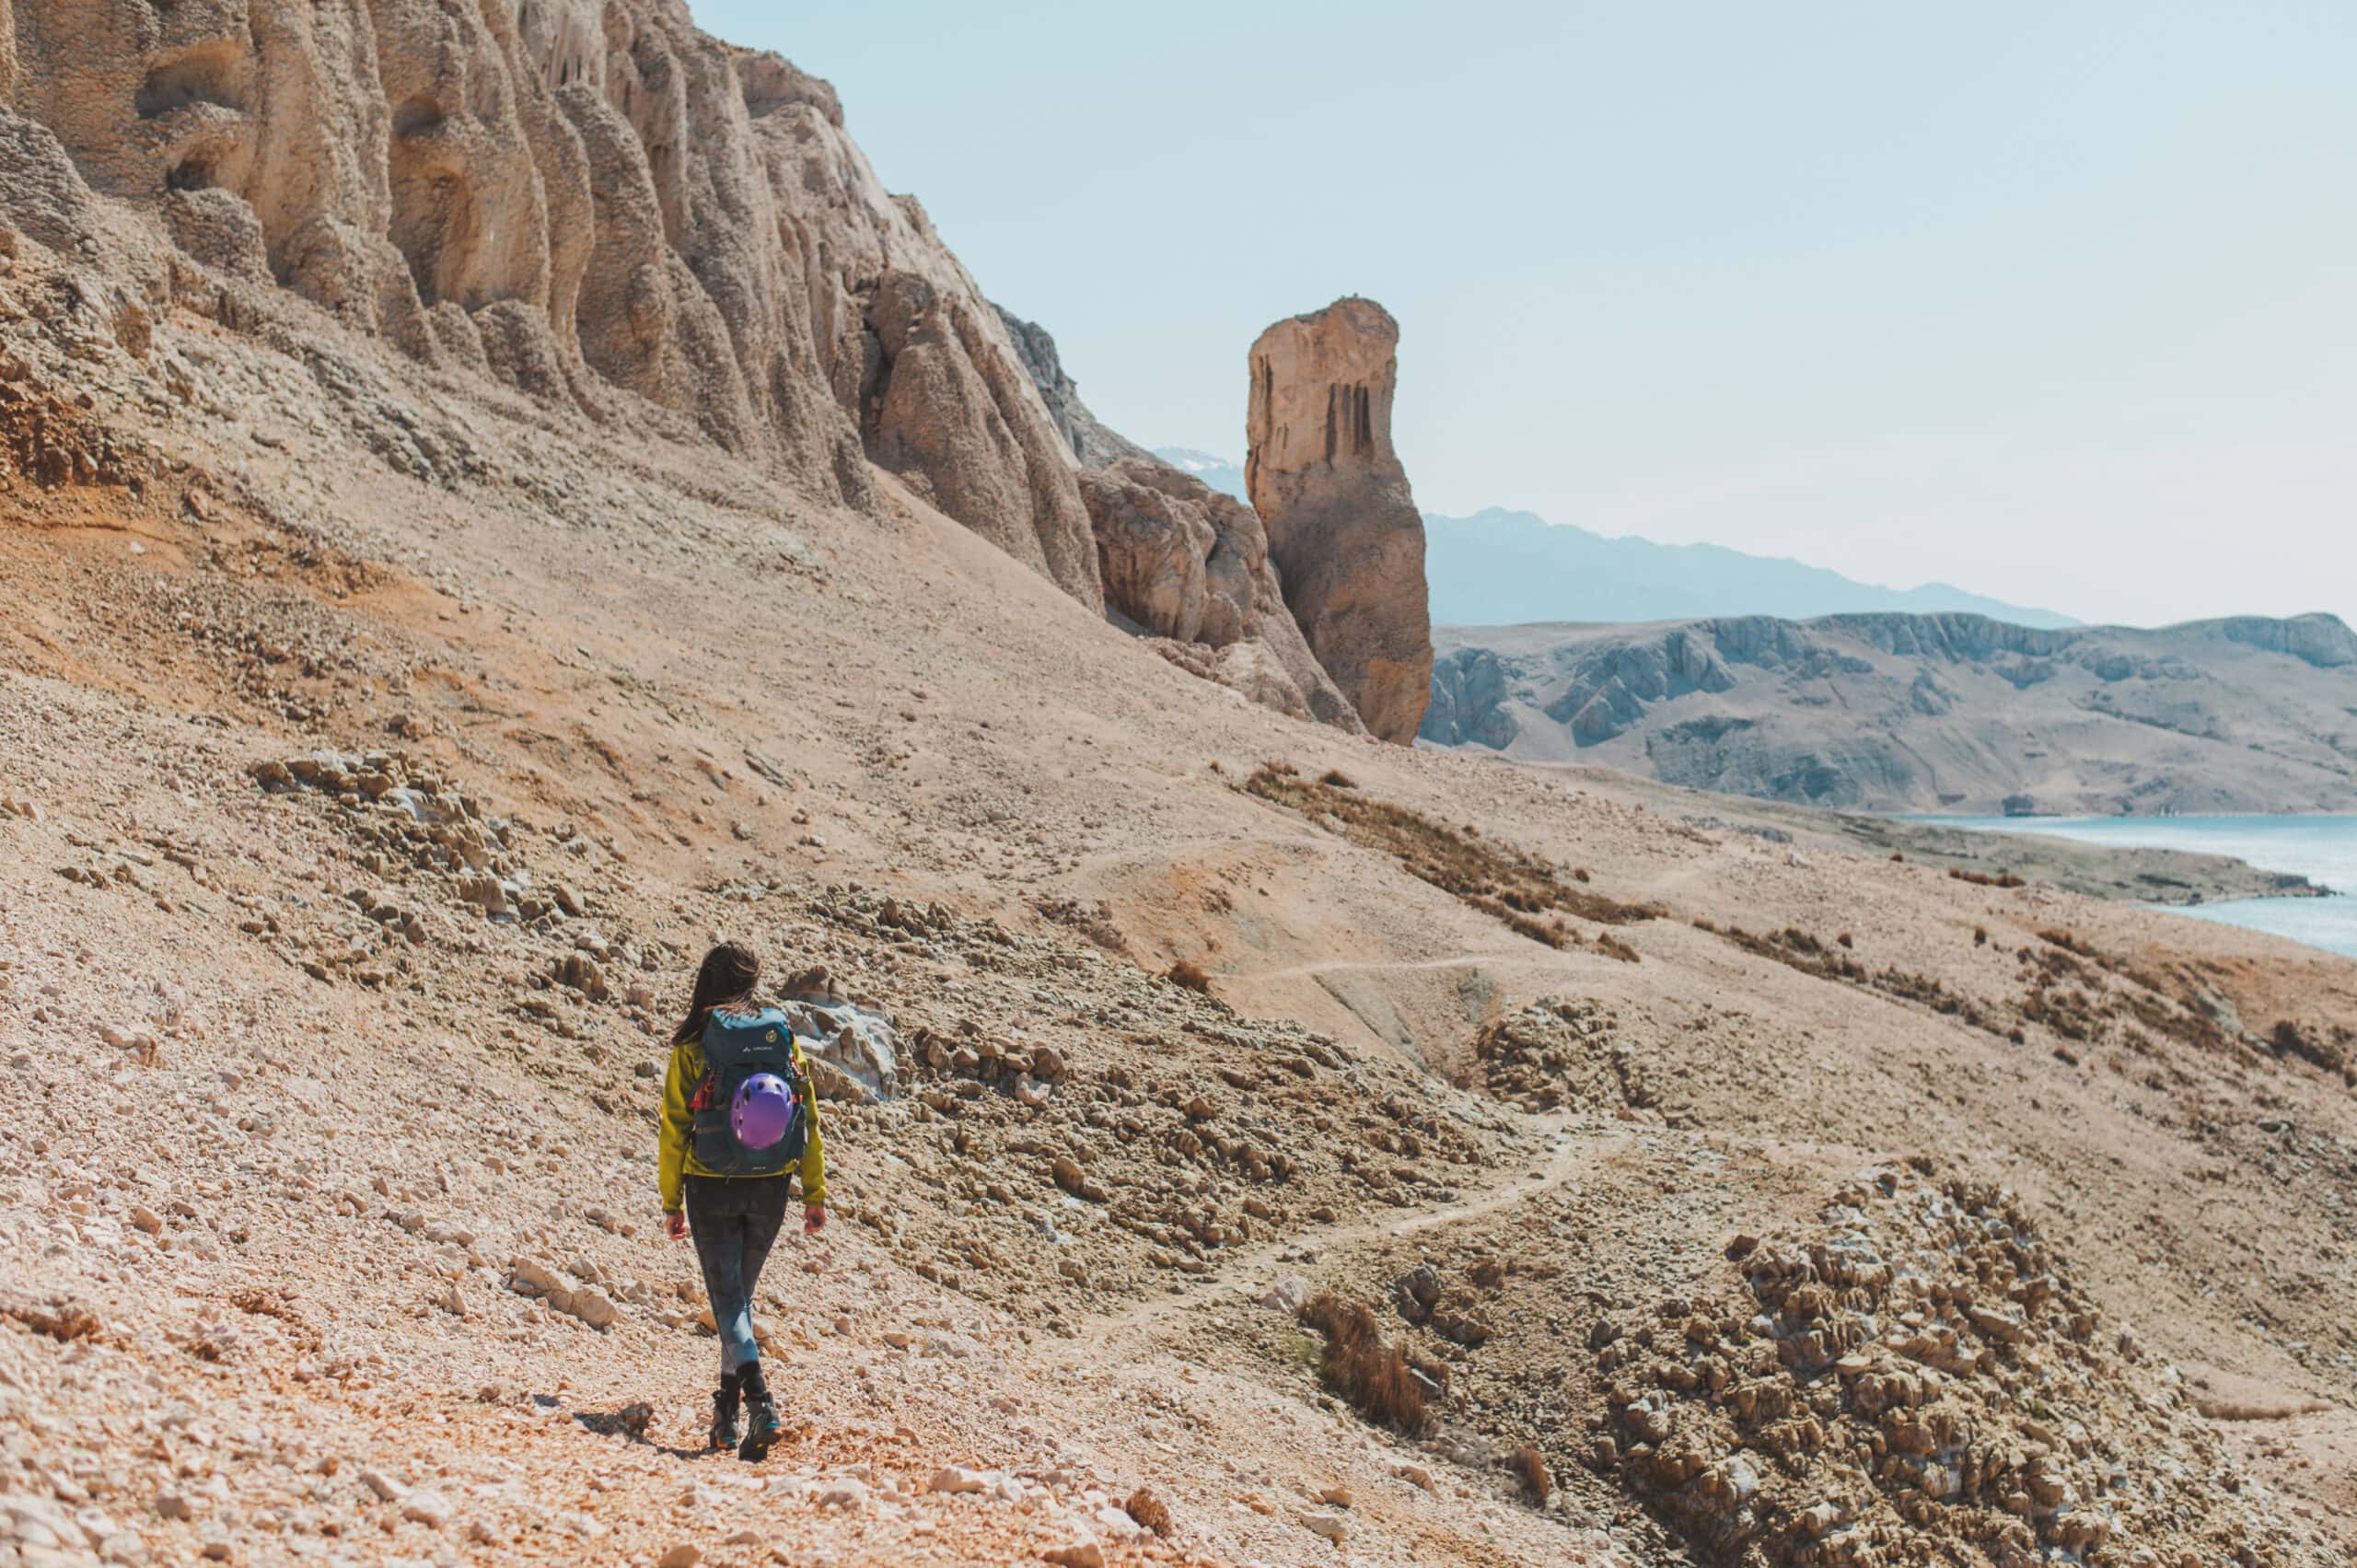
2048 304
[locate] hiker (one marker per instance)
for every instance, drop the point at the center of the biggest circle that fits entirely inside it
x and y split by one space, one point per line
738 1123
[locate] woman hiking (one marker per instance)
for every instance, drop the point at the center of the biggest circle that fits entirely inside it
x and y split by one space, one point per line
738 1123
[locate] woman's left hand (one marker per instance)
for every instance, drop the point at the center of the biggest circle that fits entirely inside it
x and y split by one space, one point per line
814 1219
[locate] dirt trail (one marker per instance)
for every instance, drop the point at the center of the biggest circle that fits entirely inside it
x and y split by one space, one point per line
1568 1156
1383 966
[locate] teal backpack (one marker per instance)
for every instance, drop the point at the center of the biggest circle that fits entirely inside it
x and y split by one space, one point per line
736 1047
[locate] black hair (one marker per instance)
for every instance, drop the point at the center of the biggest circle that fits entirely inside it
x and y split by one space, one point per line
727 977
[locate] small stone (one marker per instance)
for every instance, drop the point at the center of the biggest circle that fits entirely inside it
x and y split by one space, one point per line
683 1555
846 1491
593 1306
428 1508
956 1478
146 1219
1337 1495
173 1505
580 972
1285 1296
383 1485
1333 1527
1087 1554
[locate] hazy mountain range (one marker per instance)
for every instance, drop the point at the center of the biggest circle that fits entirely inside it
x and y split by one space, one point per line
1504 568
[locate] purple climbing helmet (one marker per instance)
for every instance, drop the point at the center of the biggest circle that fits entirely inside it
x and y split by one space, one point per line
762 1111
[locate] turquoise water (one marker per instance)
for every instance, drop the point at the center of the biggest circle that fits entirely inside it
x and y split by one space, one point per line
2322 849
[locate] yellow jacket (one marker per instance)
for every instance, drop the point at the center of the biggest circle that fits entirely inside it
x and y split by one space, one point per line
676 1156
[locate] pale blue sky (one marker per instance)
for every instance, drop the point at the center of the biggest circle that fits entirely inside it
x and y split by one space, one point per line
2056 302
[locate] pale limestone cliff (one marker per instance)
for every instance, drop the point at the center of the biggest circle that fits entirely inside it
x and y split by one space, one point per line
1342 526
589 199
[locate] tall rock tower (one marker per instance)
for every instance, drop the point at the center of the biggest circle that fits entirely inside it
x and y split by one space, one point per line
1342 528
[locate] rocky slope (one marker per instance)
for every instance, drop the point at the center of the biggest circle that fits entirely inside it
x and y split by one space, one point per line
375 776
1917 713
1342 528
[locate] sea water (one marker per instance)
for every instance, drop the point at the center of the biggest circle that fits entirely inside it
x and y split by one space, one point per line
2322 849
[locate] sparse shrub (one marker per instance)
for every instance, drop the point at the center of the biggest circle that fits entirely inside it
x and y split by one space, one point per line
1980 937
2289 1039
1529 1467
2015 1035
1846 940
1334 778
1361 1366
1611 946
1896 858
1495 878
1149 1510
1189 973
1705 923
1983 879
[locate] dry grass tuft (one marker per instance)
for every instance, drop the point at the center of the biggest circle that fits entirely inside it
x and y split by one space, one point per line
1364 1368
1189 973
2289 1039
1529 1469
2249 1410
1983 879
1334 778
1525 892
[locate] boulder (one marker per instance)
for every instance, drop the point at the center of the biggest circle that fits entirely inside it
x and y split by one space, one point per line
859 1048
1342 525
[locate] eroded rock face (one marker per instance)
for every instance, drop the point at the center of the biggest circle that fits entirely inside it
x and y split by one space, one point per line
1092 443
587 198
1342 528
1181 561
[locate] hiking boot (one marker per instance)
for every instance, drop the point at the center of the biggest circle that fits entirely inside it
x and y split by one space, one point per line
724 1413
761 1428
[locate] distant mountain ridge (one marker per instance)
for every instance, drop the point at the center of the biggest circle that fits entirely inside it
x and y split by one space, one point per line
1502 568
1925 713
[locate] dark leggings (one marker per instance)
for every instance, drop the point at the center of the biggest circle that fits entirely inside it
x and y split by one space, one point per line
734 1221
